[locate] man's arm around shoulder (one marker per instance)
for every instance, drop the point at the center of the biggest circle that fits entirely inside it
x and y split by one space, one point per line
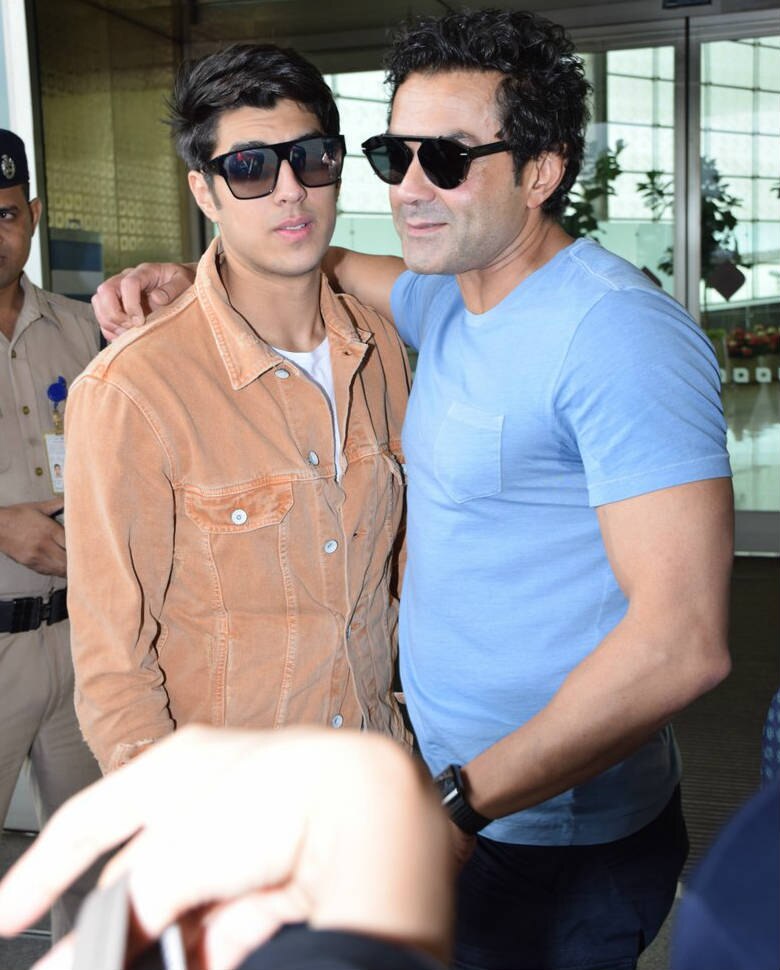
370 278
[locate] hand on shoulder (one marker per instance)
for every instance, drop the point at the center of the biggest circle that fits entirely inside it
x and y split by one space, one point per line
124 301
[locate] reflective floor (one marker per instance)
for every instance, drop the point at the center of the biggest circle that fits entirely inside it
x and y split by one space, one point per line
753 415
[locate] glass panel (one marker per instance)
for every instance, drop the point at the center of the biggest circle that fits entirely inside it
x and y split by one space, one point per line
740 265
359 120
730 62
630 159
364 220
768 111
768 66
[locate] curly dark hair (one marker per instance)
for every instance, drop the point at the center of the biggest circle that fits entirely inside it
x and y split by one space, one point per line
542 100
242 75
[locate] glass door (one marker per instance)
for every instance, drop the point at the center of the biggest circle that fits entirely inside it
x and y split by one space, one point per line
682 178
739 265
625 195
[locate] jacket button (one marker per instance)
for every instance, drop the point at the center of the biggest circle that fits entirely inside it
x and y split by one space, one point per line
313 458
330 546
238 516
281 373
336 721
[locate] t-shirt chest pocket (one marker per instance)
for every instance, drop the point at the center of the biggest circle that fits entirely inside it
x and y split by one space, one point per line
467 453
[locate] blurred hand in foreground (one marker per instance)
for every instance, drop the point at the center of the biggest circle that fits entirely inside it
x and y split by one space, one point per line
236 833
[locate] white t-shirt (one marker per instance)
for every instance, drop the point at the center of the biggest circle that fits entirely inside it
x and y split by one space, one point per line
316 363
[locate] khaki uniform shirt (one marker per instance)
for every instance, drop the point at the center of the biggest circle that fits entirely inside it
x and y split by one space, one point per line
218 570
54 336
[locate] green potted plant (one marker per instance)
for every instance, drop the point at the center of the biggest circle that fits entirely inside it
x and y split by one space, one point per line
720 256
589 195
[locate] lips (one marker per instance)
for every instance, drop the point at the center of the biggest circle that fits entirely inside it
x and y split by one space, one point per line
298 224
416 221
422 228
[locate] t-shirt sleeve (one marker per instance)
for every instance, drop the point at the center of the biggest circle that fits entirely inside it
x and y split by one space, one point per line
301 948
419 302
639 398
405 304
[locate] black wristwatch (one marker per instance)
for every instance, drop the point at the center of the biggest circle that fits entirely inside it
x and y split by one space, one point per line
453 799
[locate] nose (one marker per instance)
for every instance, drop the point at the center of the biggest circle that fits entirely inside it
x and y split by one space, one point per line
288 188
415 185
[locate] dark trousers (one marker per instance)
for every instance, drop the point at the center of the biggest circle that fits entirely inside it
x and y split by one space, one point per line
582 907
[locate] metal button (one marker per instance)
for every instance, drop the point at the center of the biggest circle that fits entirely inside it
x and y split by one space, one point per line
39 472
238 516
330 546
25 410
282 373
314 458
336 721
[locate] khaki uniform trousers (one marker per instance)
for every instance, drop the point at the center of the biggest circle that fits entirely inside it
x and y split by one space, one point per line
37 719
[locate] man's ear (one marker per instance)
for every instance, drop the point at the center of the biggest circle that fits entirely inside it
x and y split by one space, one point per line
204 195
36 208
543 176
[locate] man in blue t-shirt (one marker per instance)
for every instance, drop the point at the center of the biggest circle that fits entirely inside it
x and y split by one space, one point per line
569 502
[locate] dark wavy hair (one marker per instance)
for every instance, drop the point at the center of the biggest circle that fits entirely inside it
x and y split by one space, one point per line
542 100
242 75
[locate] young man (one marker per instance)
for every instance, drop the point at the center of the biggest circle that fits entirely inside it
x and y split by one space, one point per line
238 471
45 341
569 503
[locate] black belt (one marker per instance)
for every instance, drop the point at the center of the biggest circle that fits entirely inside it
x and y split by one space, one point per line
29 612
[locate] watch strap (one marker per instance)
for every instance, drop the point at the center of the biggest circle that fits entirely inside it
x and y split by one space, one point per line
454 801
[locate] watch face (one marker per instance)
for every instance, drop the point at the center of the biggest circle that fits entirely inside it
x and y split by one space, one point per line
447 782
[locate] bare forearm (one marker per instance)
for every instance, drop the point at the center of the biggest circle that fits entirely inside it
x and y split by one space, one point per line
603 712
671 553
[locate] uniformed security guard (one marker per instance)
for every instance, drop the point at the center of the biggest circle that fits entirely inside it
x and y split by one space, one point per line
45 341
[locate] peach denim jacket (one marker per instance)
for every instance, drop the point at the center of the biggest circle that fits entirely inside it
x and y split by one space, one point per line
217 570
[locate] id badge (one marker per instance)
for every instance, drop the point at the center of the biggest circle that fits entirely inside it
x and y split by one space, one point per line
55 454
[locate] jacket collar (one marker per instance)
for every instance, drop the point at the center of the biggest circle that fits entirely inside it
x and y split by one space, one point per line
245 354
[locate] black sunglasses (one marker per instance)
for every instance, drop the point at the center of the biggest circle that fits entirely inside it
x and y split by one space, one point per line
251 173
445 161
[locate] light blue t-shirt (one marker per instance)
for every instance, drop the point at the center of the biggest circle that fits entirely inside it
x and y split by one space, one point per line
586 385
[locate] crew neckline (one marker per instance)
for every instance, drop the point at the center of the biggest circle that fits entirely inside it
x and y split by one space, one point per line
476 319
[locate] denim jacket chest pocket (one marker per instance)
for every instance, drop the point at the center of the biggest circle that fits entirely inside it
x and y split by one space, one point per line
238 511
467 453
240 540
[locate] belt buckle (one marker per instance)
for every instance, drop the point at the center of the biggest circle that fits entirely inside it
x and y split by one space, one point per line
27 614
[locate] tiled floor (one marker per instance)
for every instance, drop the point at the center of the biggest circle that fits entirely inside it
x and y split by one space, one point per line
21 953
753 415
